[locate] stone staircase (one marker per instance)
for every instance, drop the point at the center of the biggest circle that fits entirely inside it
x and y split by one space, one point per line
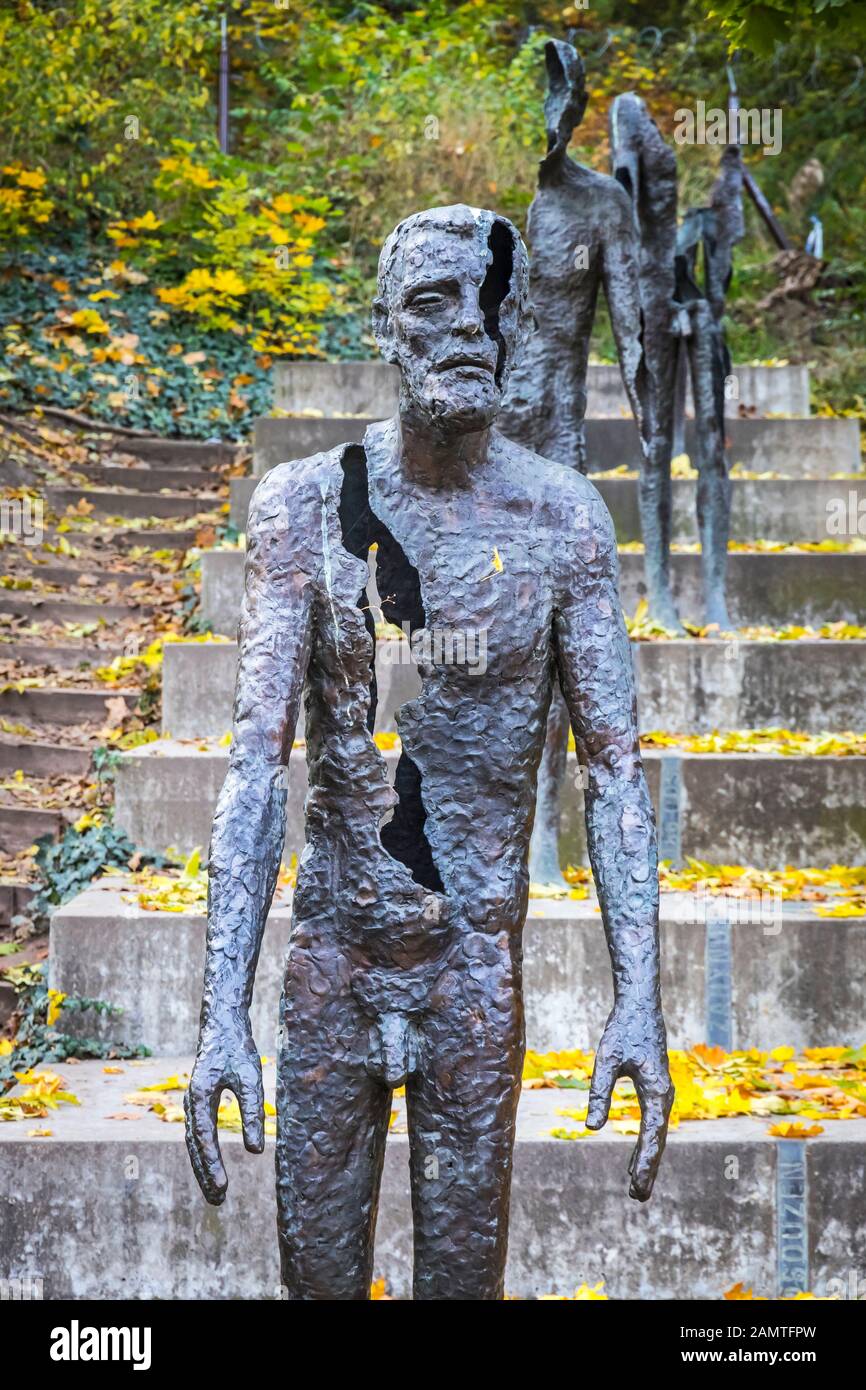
733 1204
65 614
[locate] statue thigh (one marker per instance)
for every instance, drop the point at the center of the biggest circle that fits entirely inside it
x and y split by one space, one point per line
706 353
332 1123
462 1106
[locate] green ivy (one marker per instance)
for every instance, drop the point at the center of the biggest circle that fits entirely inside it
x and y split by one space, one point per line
37 1042
68 865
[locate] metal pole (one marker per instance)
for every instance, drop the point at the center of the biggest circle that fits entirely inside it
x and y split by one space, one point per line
223 94
771 221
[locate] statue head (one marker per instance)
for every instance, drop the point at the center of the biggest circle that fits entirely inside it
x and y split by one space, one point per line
628 123
566 97
646 166
451 310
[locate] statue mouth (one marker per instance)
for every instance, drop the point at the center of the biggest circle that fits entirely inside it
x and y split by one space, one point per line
464 361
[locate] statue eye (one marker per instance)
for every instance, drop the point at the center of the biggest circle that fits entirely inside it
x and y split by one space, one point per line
427 299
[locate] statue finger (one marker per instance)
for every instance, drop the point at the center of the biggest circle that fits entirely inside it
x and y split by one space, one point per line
655 1113
201 1104
604 1075
251 1099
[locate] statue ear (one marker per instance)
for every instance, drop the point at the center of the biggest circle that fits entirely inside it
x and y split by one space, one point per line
382 329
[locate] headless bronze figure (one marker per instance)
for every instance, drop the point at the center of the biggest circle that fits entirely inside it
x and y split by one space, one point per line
404 964
684 277
703 266
582 235
646 167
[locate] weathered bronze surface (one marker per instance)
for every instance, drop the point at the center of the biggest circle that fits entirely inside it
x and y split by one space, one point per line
404 964
646 168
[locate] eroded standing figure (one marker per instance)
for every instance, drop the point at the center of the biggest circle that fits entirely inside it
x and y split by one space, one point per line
646 167
582 238
404 963
703 265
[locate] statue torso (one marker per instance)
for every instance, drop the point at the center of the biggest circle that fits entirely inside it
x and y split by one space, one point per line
480 567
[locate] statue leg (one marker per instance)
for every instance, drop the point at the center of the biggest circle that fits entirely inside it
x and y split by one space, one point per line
714 485
332 1123
655 492
462 1106
656 505
544 846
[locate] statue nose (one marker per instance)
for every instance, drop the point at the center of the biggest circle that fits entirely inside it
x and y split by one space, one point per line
467 326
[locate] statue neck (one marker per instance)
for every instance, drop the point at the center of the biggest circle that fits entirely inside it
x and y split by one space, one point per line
440 458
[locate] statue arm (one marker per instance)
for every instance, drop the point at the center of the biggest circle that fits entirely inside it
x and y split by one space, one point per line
595 671
249 826
620 278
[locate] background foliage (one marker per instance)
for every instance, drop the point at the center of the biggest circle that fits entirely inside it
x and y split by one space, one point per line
150 279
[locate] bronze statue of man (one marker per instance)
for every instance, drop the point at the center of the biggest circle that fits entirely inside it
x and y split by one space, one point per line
582 237
404 964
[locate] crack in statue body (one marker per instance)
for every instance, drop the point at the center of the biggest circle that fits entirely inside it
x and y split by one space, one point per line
404 962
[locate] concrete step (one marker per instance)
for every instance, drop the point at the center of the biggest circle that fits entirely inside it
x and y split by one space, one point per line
802 509
337 388
56 705
749 390
64 610
22 826
732 1205
70 575
59 656
697 685
42 759
14 897
134 536
815 447
178 453
730 808
736 973
278 438
130 538
150 479
106 502
796 509
370 388
764 589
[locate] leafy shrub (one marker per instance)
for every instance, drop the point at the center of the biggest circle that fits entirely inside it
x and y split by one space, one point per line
67 866
38 1040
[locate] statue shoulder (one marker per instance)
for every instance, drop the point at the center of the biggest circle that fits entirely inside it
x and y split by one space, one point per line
586 522
569 498
291 493
619 205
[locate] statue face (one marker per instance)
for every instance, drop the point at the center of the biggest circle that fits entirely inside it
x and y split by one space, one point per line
439 318
566 97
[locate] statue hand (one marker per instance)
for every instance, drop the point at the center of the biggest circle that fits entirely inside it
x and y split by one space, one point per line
227 1059
633 1044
